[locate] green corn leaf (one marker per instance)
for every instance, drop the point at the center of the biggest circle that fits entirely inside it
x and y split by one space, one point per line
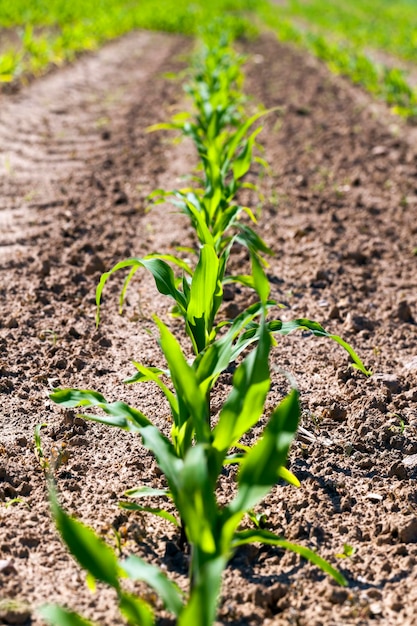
161 126
247 280
173 259
121 415
132 506
288 476
241 165
357 361
86 547
319 331
260 469
153 374
214 360
199 220
205 286
260 281
116 421
71 398
168 461
57 616
161 272
136 611
240 133
251 240
164 279
266 537
197 502
186 288
245 403
224 220
146 492
145 374
185 382
171 595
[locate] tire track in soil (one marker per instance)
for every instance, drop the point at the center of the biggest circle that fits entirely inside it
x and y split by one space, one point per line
51 129
76 171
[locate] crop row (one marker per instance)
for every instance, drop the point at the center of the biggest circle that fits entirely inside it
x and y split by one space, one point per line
194 455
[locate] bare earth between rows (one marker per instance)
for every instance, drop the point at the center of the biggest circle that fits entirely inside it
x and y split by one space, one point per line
340 210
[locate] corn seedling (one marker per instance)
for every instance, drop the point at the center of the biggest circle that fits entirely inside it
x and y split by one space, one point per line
224 139
192 472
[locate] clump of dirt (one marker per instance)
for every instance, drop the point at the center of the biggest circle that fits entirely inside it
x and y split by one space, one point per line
339 212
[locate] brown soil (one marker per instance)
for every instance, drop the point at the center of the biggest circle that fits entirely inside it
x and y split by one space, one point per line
340 212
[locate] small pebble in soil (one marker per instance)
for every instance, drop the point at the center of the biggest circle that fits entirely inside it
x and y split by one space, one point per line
403 312
7 567
358 323
398 470
410 461
337 596
94 265
375 608
335 412
407 533
12 323
389 380
374 497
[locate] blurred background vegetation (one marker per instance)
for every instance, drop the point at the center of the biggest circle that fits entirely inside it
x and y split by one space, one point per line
373 42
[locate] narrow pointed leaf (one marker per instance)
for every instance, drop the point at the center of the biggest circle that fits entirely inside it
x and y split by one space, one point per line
204 287
202 605
137 569
259 470
269 538
245 403
71 398
260 281
185 382
319 331
146 492
154 374
120 414
161 272
93 554
58 616
136 611
132 506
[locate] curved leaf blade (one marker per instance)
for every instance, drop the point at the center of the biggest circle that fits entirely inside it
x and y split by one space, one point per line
171 595
266 537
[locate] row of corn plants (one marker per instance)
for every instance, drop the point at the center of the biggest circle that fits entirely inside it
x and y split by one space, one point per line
194 455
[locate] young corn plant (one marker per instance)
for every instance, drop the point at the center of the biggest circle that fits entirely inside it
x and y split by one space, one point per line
192 462
224 139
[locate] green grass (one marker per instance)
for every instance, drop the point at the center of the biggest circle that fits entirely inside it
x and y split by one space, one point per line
349 36
56 31
379 24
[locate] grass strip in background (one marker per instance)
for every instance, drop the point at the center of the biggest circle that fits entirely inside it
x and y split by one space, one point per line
355 39
36 35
